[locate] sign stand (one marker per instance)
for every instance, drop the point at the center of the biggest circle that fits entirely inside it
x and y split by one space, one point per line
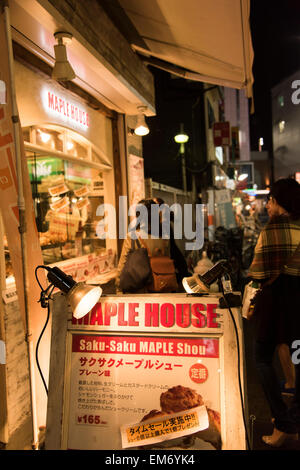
146 371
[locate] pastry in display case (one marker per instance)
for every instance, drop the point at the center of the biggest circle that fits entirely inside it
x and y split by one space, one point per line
65 207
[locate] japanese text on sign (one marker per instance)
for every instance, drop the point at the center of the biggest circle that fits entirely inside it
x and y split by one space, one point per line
170 427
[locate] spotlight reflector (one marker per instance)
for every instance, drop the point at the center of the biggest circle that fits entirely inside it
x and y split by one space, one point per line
201 283
81 297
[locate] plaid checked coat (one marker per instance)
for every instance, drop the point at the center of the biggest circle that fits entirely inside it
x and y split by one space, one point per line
277 255
276 244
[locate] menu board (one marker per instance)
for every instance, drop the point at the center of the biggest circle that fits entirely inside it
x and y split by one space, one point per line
155 371
137 390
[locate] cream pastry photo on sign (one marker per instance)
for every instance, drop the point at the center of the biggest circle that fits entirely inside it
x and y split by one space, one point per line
182 422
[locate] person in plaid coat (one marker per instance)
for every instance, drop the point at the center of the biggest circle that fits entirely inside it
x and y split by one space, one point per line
276 264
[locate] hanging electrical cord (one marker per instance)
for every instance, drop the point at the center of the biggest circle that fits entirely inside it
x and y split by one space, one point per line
44 300
239 367
37 349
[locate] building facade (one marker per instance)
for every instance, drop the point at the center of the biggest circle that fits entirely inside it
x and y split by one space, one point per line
285 124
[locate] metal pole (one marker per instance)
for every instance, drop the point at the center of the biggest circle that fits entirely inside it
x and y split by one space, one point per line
22 226
183 164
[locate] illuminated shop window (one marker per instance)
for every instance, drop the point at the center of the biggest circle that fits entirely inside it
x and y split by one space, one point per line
65 204
66 193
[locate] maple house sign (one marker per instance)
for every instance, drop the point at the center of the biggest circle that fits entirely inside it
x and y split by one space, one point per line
152 315
65 109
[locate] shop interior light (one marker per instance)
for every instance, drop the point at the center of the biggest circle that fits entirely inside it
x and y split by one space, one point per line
80 296
45 137
141 127
243 176
62 70
70 145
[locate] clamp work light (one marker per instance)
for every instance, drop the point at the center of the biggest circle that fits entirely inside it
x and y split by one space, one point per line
80 296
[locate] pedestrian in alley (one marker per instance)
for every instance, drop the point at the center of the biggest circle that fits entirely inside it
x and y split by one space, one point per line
157 248
175 253
276 318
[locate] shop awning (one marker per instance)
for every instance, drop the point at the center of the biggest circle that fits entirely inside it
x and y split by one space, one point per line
203 40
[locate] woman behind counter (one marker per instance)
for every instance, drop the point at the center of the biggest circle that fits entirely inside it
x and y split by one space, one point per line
277 260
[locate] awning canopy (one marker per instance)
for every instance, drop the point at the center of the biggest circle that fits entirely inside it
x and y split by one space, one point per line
205 40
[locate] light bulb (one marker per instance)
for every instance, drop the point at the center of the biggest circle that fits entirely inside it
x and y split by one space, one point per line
141 130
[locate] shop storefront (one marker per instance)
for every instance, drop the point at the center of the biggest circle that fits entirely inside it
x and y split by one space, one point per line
75 149
68 148
69 155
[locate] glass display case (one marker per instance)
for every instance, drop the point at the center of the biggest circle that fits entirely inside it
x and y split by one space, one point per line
65 202
67 182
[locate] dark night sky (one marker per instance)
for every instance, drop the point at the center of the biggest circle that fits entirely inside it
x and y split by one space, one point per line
275 28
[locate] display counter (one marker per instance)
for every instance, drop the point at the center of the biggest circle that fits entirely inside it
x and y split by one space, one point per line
146 372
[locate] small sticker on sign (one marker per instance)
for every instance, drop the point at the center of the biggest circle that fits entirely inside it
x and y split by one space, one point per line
2 92
9 295
162 428
2 352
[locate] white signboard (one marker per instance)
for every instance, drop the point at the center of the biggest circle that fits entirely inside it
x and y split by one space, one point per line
145 372
119 380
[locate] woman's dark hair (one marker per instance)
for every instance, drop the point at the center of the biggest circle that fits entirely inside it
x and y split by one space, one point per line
147 203
286 192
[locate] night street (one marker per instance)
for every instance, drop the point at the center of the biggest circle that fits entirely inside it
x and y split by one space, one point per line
149 228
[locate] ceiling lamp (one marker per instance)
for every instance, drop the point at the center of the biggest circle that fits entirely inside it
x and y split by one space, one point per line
62 70
141 127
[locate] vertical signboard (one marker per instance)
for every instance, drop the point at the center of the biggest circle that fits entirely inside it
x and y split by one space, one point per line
136 179
221 134
224 210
